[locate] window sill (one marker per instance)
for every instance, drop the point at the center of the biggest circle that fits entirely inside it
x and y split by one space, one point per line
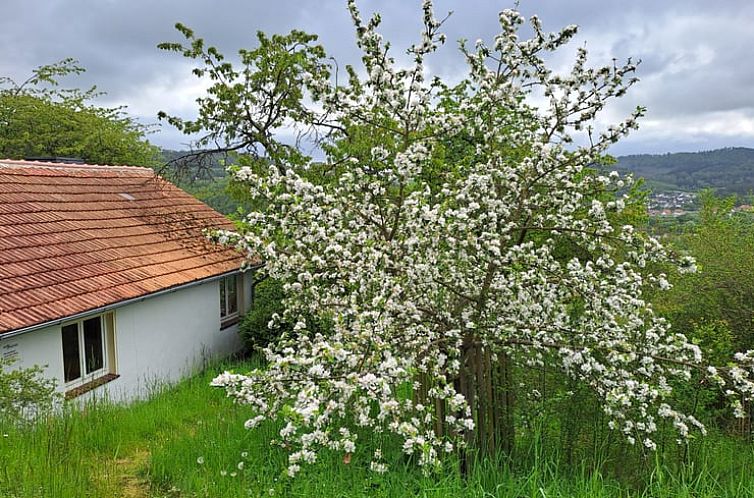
90 386
229 322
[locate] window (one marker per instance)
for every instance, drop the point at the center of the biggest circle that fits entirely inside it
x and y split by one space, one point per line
88 351
229 299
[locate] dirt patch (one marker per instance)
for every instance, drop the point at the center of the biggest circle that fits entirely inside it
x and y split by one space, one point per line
127 474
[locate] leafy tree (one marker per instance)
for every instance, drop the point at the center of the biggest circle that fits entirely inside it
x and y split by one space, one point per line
38 119
723 291
245 108
449 230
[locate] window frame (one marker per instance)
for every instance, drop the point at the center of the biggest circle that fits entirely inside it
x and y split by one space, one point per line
227 318
84 376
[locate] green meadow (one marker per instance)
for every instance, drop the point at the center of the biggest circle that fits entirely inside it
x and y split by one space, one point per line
188 440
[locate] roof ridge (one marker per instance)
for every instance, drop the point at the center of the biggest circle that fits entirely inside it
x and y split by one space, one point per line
20 164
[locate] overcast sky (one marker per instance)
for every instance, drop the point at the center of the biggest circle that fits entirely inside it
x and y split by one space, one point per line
697 71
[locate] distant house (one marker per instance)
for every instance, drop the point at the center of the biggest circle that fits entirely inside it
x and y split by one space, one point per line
107 278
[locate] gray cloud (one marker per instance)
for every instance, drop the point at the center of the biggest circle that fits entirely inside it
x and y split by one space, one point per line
697 72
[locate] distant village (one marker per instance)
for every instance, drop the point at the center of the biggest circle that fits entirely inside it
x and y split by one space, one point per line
677 203
671 203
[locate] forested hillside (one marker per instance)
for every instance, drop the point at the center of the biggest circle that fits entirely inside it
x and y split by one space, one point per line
204 177
729 170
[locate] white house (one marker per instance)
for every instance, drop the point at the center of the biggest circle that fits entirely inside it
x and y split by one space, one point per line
107 278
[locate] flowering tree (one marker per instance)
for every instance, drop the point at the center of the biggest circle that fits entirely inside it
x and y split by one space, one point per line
431 242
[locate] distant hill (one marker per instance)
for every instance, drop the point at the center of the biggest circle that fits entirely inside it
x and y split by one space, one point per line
728 170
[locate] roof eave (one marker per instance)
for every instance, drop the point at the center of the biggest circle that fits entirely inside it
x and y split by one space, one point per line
119 304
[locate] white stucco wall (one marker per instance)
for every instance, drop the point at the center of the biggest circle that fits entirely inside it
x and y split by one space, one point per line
157 340
42 347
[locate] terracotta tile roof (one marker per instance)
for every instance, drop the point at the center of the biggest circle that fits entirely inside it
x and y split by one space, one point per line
78 237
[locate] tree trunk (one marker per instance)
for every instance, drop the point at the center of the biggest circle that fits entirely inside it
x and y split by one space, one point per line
487 385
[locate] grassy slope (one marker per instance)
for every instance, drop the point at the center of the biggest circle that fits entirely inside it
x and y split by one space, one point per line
152 448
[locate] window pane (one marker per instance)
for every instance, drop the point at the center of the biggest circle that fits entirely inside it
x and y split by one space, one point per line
94 355
232 295
223 302
71 365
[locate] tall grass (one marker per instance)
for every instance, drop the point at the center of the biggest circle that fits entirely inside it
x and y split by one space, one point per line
189 441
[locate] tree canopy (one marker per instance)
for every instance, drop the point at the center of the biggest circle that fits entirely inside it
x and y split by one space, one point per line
39 119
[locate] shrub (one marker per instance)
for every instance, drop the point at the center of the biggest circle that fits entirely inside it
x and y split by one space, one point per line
268 297
268 301
24 392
